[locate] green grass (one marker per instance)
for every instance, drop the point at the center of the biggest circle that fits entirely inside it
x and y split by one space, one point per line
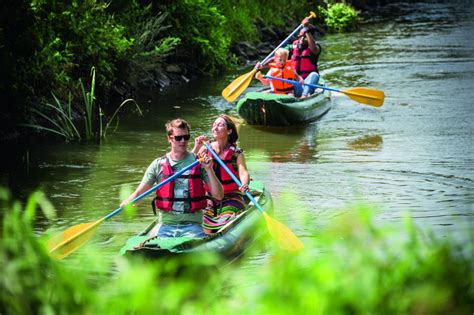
57 118
352 266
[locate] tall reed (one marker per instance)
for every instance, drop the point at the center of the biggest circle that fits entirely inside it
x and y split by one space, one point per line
89 105
61 122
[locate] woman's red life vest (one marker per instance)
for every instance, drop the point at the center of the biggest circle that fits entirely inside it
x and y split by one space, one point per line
303 63
165 194
287 72
230 160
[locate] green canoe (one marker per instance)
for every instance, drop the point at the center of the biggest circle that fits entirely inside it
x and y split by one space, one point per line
268 109
229 242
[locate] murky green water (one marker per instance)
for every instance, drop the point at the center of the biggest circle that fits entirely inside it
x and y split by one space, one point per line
415 153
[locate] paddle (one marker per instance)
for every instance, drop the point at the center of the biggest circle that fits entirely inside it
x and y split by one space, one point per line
362 95
281 233
233 90
68 241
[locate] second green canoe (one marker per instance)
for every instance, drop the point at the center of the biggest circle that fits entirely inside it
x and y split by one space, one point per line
268 109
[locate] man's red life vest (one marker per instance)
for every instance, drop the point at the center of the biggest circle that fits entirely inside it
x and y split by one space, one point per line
287 72
303 63
165 194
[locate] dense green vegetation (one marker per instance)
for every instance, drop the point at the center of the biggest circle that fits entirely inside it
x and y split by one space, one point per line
60 121
339 17
350 267
48 46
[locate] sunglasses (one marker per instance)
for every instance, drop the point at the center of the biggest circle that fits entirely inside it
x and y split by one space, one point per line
179 138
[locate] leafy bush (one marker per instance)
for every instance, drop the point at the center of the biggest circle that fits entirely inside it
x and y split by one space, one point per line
244 17
149 42
199 26
350 267
72 37
339 17
208 28
28 283
361 268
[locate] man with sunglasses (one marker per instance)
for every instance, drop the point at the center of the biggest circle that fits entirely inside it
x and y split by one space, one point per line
180 201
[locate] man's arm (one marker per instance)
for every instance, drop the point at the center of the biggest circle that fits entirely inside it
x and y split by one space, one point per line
312 44
142 187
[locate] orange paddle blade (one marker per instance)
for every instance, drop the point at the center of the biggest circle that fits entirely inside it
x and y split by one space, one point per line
61 245
233 90
367 96
282 234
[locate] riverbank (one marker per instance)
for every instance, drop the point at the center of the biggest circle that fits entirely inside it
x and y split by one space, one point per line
245 53
173 74
151 49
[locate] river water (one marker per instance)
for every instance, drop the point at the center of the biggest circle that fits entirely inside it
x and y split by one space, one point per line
413 154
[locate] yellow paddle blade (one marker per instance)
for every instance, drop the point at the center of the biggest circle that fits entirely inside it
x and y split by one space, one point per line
367 96
233 90
282 234
63 244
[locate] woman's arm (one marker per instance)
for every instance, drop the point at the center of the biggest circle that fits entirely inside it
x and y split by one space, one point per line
243 173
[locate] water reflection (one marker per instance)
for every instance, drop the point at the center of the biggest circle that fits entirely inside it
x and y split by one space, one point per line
281 144
367 143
